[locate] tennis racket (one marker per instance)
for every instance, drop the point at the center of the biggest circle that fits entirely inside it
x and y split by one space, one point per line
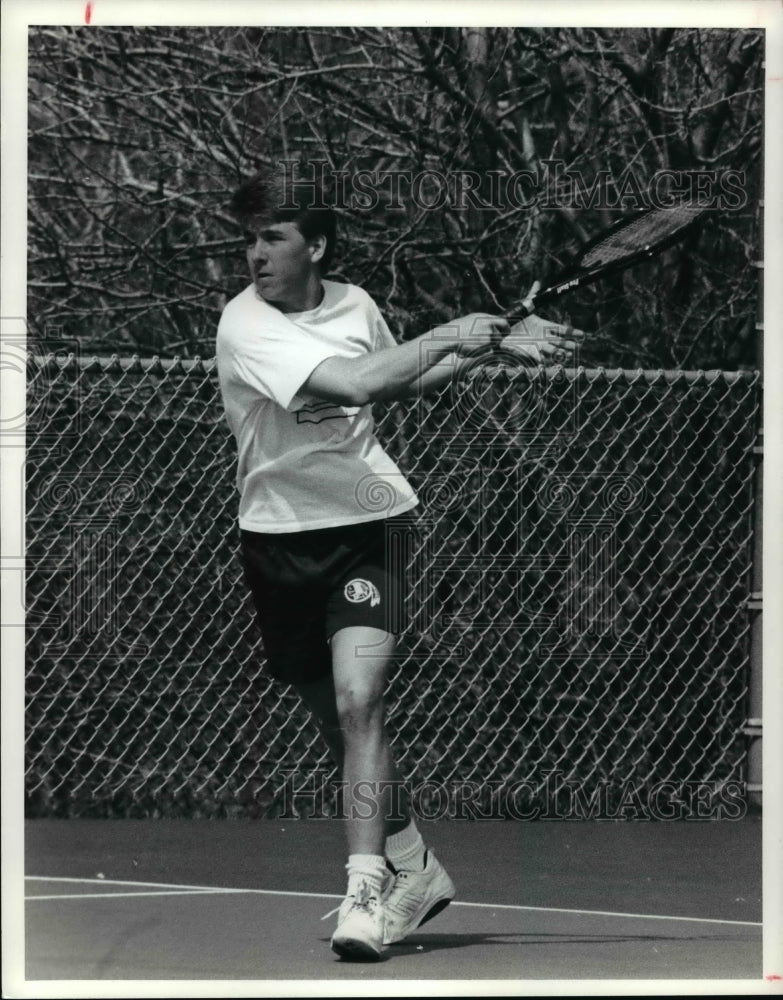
622 245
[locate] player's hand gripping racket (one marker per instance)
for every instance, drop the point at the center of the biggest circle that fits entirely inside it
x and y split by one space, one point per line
623 244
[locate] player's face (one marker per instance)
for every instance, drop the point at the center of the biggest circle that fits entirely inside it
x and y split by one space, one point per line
282 263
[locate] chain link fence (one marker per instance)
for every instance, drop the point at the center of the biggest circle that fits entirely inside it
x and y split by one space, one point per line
577 579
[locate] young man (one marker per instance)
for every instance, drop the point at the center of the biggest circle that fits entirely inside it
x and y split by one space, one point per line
300 361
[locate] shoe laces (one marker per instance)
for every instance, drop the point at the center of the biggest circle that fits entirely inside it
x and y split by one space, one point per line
364 897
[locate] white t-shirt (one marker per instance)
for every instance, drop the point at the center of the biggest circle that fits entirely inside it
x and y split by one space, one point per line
304 463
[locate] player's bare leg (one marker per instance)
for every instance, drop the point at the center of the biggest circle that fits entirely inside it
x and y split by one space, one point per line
421 887
360 658
360 661
320 699
348 709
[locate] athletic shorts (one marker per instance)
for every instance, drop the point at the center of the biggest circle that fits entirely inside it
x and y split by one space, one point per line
307 585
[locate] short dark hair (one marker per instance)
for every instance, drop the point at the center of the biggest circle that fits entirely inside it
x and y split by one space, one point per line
266 195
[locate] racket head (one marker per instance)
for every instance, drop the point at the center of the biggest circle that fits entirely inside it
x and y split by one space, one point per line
629 240
640 235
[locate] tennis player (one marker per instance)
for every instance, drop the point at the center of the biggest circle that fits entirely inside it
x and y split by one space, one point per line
300 361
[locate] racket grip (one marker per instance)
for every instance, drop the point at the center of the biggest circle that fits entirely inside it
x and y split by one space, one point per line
530 305
542 298
552 294
547 296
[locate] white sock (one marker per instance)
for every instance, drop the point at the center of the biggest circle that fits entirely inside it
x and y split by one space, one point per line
406 849
368 868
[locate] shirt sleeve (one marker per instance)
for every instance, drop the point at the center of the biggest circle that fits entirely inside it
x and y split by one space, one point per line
382 335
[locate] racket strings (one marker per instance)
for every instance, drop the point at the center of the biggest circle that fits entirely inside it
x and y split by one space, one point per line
638 234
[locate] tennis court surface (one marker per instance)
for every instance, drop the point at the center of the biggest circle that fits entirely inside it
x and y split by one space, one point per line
246 900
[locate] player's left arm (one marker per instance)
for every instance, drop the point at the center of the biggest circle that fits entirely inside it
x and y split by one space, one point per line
533 339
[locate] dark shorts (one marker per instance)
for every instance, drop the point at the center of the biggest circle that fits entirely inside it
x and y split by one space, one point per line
307 585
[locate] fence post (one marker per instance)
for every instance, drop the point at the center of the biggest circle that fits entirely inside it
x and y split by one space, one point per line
752 728
753 723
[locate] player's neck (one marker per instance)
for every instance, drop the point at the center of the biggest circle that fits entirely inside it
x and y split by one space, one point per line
308 297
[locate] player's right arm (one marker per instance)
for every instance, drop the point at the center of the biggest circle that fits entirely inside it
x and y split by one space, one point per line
406 369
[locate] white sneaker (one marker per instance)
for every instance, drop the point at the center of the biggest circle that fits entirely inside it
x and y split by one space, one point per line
416 897
359 934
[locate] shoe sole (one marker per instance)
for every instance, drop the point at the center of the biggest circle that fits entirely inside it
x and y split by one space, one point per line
354 950
437 907
434 910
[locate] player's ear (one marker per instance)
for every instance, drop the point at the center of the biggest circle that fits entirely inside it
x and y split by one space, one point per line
317 248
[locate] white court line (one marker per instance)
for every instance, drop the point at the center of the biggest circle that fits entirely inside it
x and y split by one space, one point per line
610 913
141 892
330 895
193 889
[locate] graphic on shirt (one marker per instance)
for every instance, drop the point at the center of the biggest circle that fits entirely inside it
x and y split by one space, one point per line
358 591
316 413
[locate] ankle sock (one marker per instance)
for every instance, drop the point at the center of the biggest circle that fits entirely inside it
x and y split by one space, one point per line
369 868
406 849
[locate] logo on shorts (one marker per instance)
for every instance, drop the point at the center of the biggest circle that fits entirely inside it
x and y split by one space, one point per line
362 590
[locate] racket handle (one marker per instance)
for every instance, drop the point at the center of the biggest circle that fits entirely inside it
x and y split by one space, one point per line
552 294
528 306
524 310
546 295
539 299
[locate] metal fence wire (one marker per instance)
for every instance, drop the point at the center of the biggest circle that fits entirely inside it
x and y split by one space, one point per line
577 581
